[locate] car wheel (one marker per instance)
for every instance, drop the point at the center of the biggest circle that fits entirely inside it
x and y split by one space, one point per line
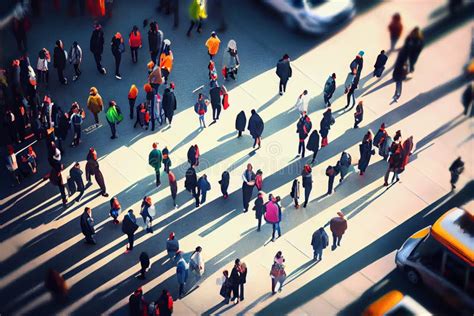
290 22
413 276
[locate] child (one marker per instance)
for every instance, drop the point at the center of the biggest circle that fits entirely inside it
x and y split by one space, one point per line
259 180
173 187
115 209
166 159
132 97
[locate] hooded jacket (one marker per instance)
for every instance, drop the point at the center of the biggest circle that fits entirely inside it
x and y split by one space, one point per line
94 102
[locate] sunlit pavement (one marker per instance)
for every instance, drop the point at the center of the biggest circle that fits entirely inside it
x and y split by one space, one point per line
37 233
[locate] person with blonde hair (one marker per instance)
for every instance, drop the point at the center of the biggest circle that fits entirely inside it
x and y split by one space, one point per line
95 104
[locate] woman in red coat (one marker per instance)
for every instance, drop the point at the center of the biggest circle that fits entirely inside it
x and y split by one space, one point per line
135 41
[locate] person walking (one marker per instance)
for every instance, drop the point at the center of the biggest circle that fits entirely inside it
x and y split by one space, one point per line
59 61
325 126
190 183
95 104
284 72
259 180
77 118
295 192
302 103
231 61
76 175
87 226
132 97
118 48
169 103
366 151
165 153
395 28
56 179
380 64
61 128
164 304
456 168
331 173
92 168
173 187
197 13
212 44
196 263
224 183
338 226
42 66
200 107
193 155
243 280
97 47
114 117
235 281
400 71
255 128
277 272
259 208
394 162
319 241
240 122
203 186
359 114
273 215
182 268
248 178
303 127
172 246
215 96
137 304
135 42
144 264
129 226
313 144
343 164
155 41
56 284
155 158
307 182
75 58
147 211
115 208
329 88
414 44
166 60
226 287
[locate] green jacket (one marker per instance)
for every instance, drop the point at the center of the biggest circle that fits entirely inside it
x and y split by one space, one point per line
114 115
155 159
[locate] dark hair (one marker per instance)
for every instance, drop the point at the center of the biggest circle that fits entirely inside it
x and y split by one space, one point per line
305 92
382 52
237 261
278 254
198 248
87 209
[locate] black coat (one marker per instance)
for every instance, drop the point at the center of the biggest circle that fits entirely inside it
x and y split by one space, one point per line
59 58
169 103
381 61
414 46
128 226
97 42
325 124
115 46
76 176
215 95
259 207
87 224
190 181
256 125
365 150
234 277
155 41
224 181
400 67
313 141
144 260
283 69
63 127
240 121
192 156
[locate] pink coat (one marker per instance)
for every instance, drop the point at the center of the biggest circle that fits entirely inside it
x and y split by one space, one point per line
272 213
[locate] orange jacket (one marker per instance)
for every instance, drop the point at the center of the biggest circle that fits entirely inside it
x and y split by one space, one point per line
166 61
133 93
212 45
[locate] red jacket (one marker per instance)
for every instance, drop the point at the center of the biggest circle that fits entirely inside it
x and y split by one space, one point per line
135 40
338 226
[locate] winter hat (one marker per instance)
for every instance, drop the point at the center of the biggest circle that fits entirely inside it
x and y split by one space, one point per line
340 214
155 145
361 53
93 91
171 236
213 34
148 200
172 85
232 44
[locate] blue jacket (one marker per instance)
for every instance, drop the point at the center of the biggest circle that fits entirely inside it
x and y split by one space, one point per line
182 271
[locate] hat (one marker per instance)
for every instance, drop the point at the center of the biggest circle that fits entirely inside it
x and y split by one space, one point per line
167 42
340 214
148 200
155 145
361 53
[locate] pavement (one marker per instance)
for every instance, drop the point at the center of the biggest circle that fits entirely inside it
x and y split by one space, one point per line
37 233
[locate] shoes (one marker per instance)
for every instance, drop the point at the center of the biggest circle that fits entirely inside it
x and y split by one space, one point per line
103 71
305 204
105 194
385 184
113 137
118 77
74 78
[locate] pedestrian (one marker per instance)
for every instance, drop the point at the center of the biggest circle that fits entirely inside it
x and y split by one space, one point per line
212 44
115 208
118 48
166 60
77 118
76 175
181 273
137 304
190 183
366 151
155 158
313 144
193 155
235 281
59 61
248 178
343 164
303 127
169 103
394 162
240 122
231 61
224 183
414 44
329 88
29 162
173 187
172 246
75 58
338 226
62 127
295 192
203 186
97 47
145 264
165 153
129 226
319 241
243 280
147 210
255 128
259 208
196 263
467 100
380 64
302 102
325 126
44 58
356 66
380 136
54 157
135 42
164 304
273 214
307 182
212 73
200 107
331 173
95 104
226 287
259 180
12 166
155 41
197 13
56 284
55 177
277 272
87 226
456 168
284 72
395 28
92 168
132 97
114 117
400 71
359 114
215 96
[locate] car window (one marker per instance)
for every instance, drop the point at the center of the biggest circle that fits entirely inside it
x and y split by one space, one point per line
455 271
430 254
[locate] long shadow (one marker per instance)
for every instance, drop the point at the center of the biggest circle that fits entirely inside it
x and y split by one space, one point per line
371 253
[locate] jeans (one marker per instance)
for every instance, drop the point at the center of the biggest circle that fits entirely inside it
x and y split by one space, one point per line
113 128
61 77
350 94
398 90
301 148
77 70
330 184
276 227
157 174
327 97
318 253
98 59
202 123
199 25
134 51
131 239
203 197
307 191
336 240
282 85
131 103
216 111
181 289
118 58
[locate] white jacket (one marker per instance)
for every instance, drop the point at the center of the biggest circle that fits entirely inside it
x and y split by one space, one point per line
302 103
